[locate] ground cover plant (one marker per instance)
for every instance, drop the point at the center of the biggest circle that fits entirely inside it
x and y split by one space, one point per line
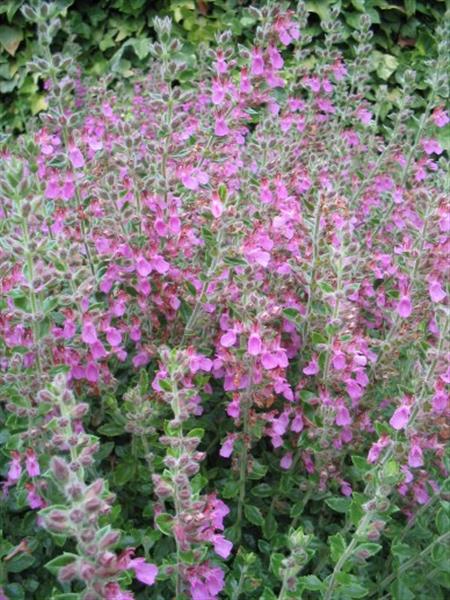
224 326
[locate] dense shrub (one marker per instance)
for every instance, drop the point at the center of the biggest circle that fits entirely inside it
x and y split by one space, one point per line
115 36
223 328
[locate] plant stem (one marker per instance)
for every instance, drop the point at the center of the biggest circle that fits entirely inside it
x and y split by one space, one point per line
243 467
312 282
346 555
412 561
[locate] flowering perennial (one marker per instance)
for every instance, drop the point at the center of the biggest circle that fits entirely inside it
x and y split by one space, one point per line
223 306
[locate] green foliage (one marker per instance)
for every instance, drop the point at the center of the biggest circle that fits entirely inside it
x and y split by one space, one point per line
113 36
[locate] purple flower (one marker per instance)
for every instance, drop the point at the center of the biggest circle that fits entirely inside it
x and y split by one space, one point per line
31 463
404 307
400 418
222 547
312 368
227 447
437 294
145 572
75 157
228 339
286 461
143 267
88 333
343 417
415 456
15 468
221 128
254 345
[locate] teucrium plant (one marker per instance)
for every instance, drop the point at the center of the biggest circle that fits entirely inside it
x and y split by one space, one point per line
239 280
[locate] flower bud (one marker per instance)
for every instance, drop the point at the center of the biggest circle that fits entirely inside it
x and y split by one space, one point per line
60 469
68 572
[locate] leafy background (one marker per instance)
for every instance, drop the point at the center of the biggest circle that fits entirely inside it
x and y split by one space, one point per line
113 36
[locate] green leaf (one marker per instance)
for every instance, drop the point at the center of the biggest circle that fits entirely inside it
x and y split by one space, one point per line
60 561
337 546
258 470
410 7
253 514
164 523
386 66
275 563
311 583
110 429
262 490
165 385
230 489
350 587
19 563
442 521
10 38
368 549
268 594
270 526
320 7
198 432
340 505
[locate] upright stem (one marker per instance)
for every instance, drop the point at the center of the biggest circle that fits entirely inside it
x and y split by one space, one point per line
346 555
31 292
312 282
243 466
244 456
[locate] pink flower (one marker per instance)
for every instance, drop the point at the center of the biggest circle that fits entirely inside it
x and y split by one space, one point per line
228 339
160 265
338 361
400 418
420 493
227 447
312 368
31 463
440 117
92 373
216 206
257 62
437 294
75 157
113 336
98 350
143 267
219 511
234 409
88 333
15 468
269 360
254 345
346 488
33 498
364 115
275 58
113 592
218 92
145 572
286 461
205 582
404 307
432 147
343 417
221 128
222 547
415 456
377 448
